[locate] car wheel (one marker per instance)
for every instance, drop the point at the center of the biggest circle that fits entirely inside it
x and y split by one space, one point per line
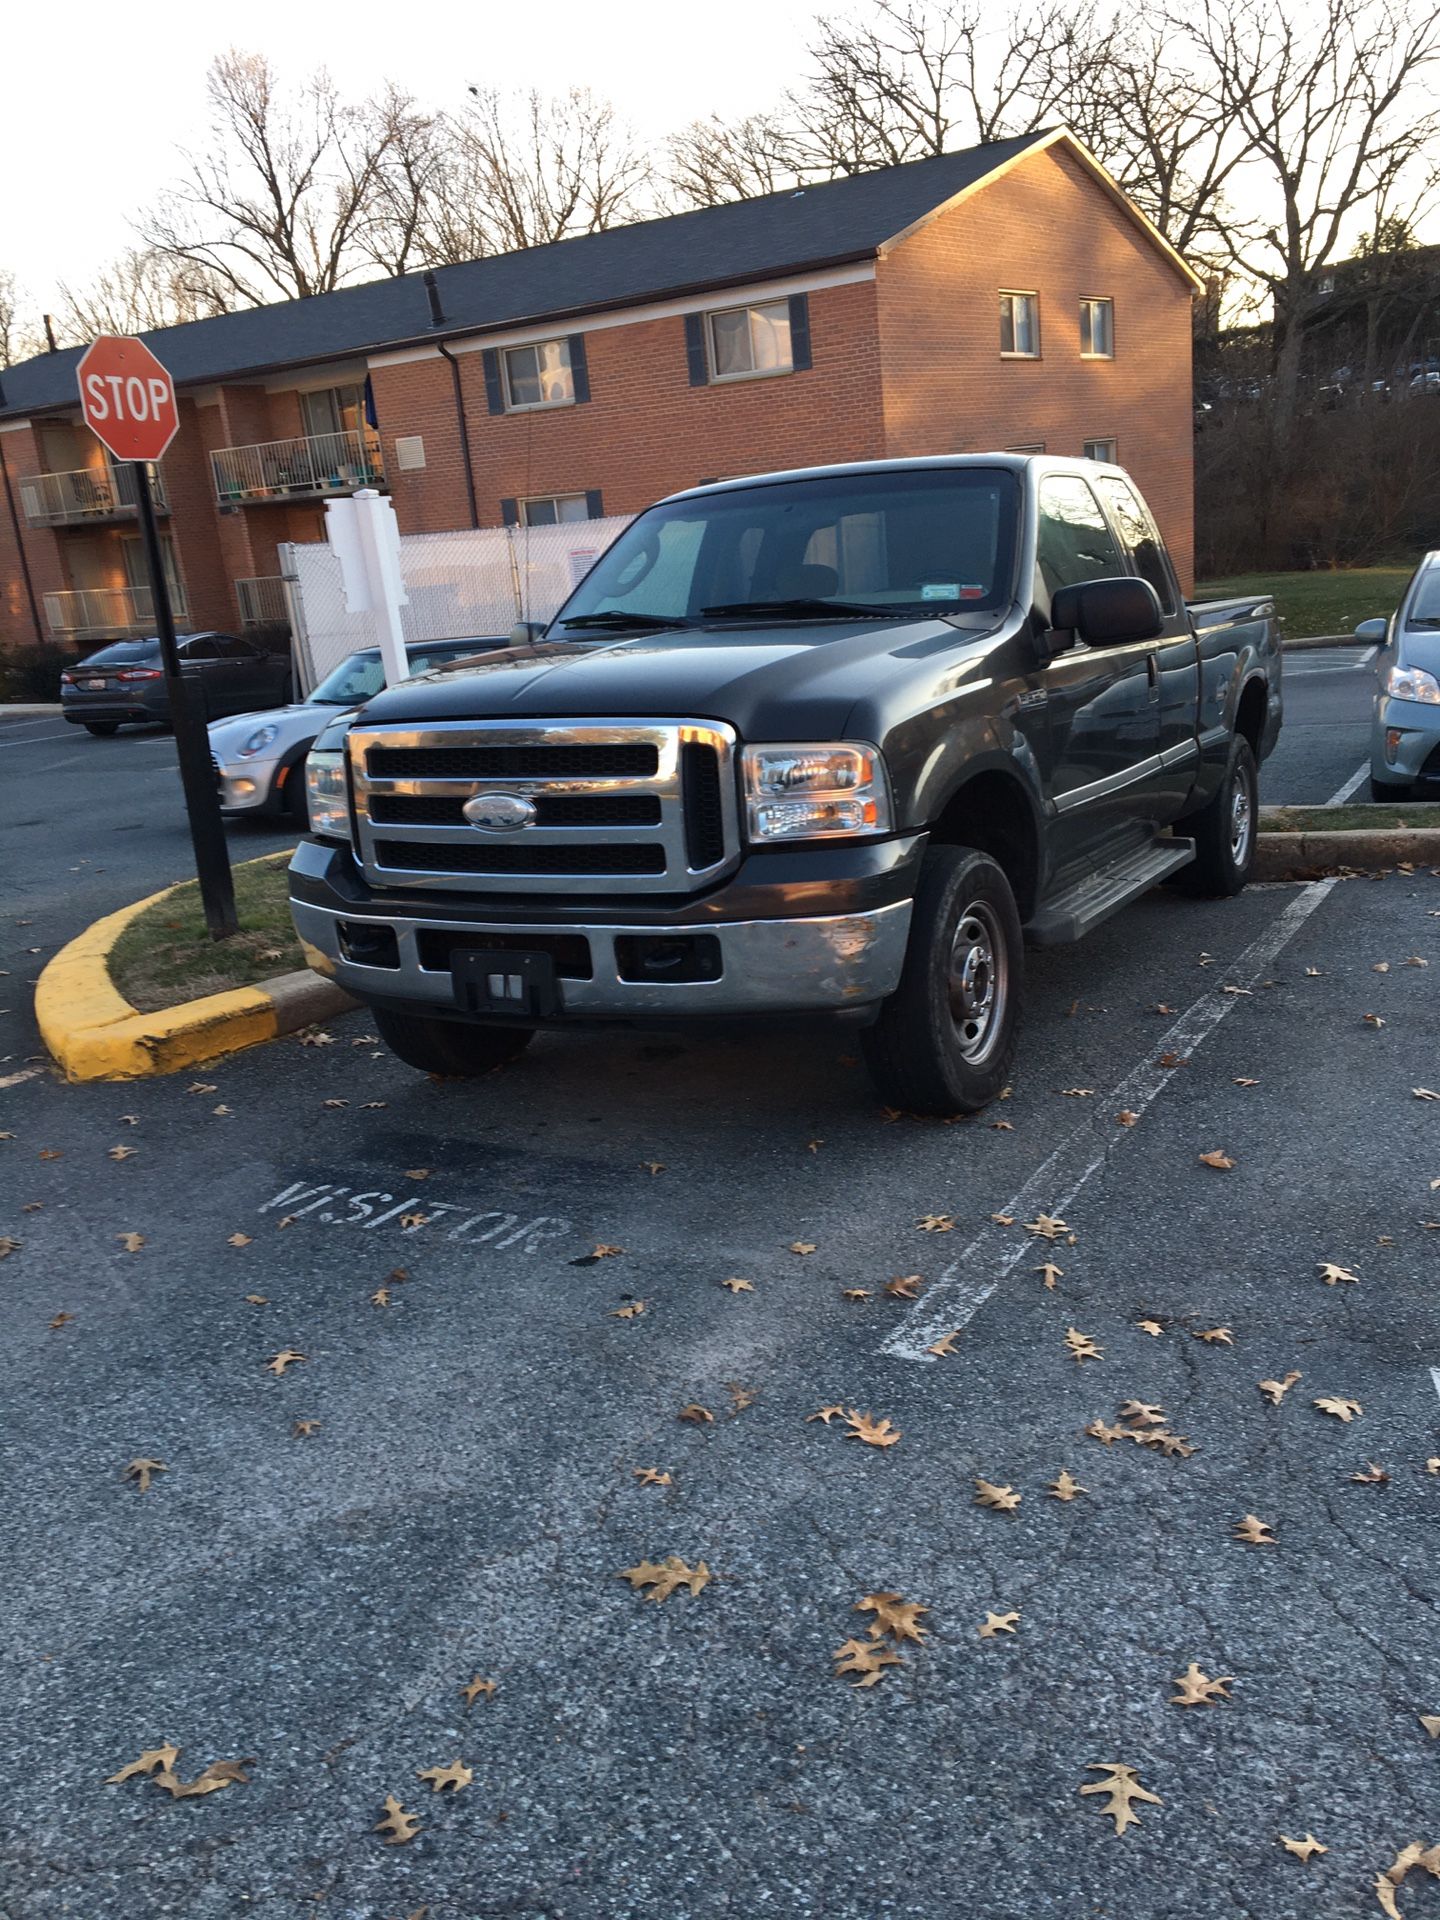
945 1040
449 1047
1390 792
101 728
1224 831
295 802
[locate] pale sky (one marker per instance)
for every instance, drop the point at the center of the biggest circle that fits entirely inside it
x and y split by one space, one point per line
102 95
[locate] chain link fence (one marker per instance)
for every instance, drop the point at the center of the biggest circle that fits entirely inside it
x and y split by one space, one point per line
473 583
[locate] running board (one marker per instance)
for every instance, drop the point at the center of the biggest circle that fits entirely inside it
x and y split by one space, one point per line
1089 901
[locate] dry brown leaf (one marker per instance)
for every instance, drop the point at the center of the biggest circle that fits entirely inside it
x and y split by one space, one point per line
1049 1273
1173 1060
303 1429
58 1321
202 1086
874 1433
994 1623
1002 1126
122 1153
898 1617
937 1223
380 1297
238 1240
1220 1161
802 1246
1276 1390
455 1776
651 1476
132 1242
1172 1445
1242 1081
1339 1407
813 1146
141 1471
1081 1346
334 1104
1124 1790
1255 1533
1064 1486
1371 1476
602 1252
1077 1093
1414 960
1381 966
9 1246
1333 1275
257 1299
1415 1855
411 1173
854 1293
905 1286
126 1120
222 1112
152 1760
1047 1226
740 1397
1431 1723
280 1361
473 1689
1303 1849
672 1572
631 1312
1002 1499
1198 1690
398 1826
739 1286
317 1038
697 1415
1141 1413
1008 1219
1424 1093
1125 1118
865 1660
826 1414
1432 1465
1371 1020
1215 1336
945 1345
51 1153
1107 1436
1152 1327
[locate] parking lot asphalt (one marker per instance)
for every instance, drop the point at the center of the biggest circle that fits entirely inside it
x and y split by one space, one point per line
1323 753
468 1497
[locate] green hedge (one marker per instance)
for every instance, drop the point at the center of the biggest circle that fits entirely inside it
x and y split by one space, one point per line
33 673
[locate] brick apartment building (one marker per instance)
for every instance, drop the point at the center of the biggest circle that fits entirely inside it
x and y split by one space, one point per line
1006 296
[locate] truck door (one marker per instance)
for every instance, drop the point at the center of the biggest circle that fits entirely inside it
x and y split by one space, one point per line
1177 658
1101 703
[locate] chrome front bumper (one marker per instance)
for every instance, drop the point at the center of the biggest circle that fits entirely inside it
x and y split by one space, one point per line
824 964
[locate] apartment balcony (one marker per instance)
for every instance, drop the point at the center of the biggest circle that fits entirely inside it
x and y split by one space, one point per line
107 613
312 467
262 601
87 495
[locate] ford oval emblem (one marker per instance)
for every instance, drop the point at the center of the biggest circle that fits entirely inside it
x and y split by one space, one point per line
499 812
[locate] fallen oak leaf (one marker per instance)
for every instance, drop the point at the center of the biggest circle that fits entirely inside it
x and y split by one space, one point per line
59 1320
1276 1390
222 1112
1304 1849
826 1414
865 1660
994 1623
380 1297
898 1617
9 1246
854 1293
1065 1486
873 1433
1000 1499
651 1476
1338 1407
317 1038
202 1086
1255 1533
1220 1161
455 1776
410 1221
1394 1875
944 1346
697 1415
1047 1226
238 1240
141 1471
1107 1436
1081 1346
1242 1081
280 1361
739 1286
904 1286
1215 1336
413 1173
632 1312
937 1223
473 1689
1152 1327
672 1572
1141 1413
398 1826
121 1153
1077 1093
1371 1020
1050 1273
1198 1690
132 1242
801 1246
740 1397
152 1760
1124 1790
336 1103
1424 1093
1125 1118
1172 1445
1431 1723
303 1429
257 1299
1333 1276
1371 1476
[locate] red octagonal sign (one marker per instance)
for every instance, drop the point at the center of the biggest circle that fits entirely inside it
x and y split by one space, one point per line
128 398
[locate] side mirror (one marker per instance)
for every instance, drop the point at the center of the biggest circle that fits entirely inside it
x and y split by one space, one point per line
1373 632
525 633
1105 613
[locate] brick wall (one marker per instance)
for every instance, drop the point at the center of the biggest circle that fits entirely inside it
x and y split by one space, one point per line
1045 227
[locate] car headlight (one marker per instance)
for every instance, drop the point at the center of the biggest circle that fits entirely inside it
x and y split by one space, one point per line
803 792
1413 683
258 740
325 793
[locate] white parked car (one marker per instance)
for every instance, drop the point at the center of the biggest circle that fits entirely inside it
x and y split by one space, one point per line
259 758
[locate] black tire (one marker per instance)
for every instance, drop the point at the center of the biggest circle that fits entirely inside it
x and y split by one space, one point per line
1224 831
944 1042
294 802
102 729
1390 792
449 1047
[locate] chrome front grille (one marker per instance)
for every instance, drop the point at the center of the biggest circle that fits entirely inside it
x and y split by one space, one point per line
622 806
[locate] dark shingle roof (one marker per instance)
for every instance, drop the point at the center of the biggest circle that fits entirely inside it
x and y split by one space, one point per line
746 240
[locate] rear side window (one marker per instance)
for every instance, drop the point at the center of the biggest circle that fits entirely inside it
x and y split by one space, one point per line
1424 609
1138 531
1075 539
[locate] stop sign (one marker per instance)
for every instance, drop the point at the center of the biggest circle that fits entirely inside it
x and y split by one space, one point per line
128 398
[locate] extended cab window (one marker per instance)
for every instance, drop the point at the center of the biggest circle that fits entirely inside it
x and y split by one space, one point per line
1138 531
1075 541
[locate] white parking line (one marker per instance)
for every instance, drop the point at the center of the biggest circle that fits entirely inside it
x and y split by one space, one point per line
1366 657
1435 1377
1356 780
967 1283
34 739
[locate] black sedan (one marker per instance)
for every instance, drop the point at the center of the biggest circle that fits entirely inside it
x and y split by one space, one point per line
125 681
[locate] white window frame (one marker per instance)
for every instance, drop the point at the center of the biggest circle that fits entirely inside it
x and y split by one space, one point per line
1097 300
512 405
1019 293
543 499
1110 459
750 373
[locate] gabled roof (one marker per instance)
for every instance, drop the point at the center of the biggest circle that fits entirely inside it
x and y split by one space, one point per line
826 225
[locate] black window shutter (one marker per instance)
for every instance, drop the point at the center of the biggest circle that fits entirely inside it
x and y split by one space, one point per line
579 369
510 512
494 391
594 505
695 349
800 331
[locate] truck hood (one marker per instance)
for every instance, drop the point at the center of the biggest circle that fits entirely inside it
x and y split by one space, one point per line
800 679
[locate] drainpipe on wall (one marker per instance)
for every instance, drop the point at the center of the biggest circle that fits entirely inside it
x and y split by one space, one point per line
20 549
437 319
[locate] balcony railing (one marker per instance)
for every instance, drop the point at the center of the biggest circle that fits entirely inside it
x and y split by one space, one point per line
95 613
318 463
90 493
262 601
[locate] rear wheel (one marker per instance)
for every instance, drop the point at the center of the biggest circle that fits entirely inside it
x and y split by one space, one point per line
945 1039
1224 831
101 727
449 1047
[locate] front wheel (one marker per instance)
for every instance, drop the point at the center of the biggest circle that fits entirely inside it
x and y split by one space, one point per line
945 1039
450 1047
102 729
1390 792
1224 829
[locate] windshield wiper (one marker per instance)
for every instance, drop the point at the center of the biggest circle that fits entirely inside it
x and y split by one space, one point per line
643 622
799 610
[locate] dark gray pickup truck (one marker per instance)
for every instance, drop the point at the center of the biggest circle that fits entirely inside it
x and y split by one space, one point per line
836 741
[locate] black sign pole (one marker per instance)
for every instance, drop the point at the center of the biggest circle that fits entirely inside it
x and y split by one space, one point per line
192 742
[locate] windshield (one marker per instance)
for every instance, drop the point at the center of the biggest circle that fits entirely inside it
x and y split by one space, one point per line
926 541
362 676
1425 607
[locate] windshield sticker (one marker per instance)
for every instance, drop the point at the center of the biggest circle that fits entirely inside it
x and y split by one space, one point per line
941 590
971 593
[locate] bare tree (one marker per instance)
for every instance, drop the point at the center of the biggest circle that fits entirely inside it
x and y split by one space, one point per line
410 183
18 337
140 291
277 203
710 162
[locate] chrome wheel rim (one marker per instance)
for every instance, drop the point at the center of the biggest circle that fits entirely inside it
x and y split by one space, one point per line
978 981
1242 819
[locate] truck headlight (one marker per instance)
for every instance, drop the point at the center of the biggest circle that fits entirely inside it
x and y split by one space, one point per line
835 790
325 793
1413 683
